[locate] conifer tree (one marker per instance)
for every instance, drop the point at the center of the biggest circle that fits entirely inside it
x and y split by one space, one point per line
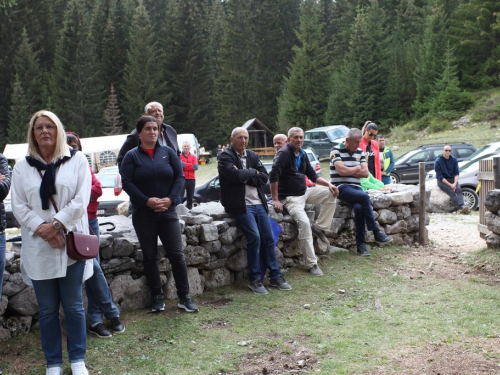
112 116
77 94
430 64
19 115
304 99
144 80
29 75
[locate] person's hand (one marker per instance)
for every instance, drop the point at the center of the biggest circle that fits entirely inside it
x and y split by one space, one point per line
163 204
46 231
384 174
153 202
58 241
334 190
278 207
2 177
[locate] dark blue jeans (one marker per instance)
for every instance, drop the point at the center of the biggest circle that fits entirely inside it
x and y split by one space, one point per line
68 292
257 230
97 288
148 226
456 196
363 212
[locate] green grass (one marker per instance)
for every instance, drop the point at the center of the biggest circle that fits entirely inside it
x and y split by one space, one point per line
346 332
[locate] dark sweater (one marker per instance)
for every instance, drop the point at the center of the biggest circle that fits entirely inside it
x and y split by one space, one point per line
291 183
145 177
446 168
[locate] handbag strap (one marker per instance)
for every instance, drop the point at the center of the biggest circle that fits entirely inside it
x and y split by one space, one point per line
55 205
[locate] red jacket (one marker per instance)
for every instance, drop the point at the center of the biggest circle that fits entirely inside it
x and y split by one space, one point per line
376 152
189 161
95 193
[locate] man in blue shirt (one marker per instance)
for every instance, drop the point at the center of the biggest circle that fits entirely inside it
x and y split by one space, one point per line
446 167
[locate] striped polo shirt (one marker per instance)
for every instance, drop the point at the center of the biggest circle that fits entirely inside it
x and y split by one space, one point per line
340 153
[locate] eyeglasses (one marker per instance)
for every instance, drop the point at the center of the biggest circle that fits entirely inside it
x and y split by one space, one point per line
372 135
50 128
447 150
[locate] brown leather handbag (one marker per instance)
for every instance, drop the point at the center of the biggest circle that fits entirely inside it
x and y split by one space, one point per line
80 246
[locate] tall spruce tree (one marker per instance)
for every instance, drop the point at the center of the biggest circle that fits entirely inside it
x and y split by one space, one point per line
77 94
29 75
112 116
358 89
19 115
430 64
144 80
304 99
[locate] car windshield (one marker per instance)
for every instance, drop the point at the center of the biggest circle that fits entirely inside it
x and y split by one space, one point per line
107 180
475 163
338 133
482 151
405 156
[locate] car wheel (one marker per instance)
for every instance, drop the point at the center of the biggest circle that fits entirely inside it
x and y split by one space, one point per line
470 198
394 178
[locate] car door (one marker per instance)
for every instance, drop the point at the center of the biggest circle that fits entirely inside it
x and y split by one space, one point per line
409 174
213 191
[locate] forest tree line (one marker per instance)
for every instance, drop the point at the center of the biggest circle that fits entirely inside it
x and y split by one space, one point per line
214 64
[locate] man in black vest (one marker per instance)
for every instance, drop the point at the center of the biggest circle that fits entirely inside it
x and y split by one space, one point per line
167 136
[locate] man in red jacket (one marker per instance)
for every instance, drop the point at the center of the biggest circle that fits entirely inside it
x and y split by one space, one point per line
190 165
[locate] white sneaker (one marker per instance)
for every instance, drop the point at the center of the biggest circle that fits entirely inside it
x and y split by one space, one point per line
79 368
54 371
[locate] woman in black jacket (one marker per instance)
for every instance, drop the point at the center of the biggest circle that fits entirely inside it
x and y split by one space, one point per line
152 177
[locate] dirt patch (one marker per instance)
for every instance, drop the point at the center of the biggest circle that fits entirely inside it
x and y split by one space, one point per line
290 358
215 303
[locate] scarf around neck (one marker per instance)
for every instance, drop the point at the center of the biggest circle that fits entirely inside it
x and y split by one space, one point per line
48 187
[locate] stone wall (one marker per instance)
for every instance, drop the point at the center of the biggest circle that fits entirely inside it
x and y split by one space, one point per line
214 249
492 217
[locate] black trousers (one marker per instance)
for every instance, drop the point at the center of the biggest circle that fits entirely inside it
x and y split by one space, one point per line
148 226
189 186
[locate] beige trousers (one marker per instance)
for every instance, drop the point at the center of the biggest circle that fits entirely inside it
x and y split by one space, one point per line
295 206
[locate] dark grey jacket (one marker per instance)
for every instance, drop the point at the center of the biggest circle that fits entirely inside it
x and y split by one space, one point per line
132 141
4 190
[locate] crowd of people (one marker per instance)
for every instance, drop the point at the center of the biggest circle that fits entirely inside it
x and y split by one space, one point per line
54 192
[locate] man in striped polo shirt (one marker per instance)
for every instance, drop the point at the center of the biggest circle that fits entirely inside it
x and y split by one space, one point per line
347 166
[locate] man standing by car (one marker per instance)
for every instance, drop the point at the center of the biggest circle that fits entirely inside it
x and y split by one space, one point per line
387 160
242 177
289 190
190 165
279 141
347 166
167 136
446 167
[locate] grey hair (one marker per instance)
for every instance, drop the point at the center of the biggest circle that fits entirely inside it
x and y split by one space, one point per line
354 133
148 106
294 130
183 143
235 130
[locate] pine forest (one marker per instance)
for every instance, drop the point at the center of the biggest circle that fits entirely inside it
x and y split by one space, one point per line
214 64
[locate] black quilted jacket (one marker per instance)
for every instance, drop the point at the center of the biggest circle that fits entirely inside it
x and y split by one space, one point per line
4 190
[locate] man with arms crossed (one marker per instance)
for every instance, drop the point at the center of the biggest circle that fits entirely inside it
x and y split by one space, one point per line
242 177
347 166
289 190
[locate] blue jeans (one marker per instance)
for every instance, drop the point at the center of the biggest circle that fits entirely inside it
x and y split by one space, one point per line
363 212
68 292
98 293
257 230
2 262
386 180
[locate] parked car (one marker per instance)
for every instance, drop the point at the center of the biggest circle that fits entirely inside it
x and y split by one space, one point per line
106 170
321 140
210 190
112 193
406 166
9 215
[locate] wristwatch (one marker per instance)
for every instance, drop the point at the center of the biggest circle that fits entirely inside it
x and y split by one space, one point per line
57 224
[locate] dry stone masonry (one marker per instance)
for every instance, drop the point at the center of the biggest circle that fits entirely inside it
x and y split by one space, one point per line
215 252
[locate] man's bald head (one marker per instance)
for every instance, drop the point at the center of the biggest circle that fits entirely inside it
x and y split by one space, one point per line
279 141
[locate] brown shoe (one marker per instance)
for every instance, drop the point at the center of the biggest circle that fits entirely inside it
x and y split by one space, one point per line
464 210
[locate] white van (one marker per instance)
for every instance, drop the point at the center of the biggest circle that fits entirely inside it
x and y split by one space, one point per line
195 146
